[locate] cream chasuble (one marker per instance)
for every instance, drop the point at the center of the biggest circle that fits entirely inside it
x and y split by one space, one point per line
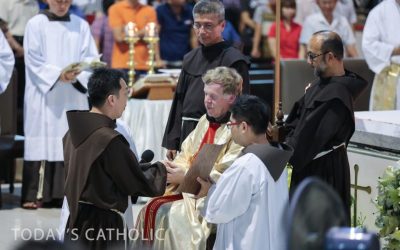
178 224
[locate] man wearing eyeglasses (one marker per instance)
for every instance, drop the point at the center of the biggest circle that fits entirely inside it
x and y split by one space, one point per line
321 123
248 201
187 106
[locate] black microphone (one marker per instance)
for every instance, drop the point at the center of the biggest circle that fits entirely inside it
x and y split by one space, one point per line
144 164
147 156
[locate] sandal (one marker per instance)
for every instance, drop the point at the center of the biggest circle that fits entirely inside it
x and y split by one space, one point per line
29 205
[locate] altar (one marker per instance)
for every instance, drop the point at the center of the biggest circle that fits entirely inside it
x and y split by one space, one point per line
374 146
147 120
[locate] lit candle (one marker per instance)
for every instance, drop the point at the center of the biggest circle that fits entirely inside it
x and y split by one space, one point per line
151 30
131 29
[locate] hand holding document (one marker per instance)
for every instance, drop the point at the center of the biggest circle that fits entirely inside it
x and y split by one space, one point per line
201 167
81 66
69 73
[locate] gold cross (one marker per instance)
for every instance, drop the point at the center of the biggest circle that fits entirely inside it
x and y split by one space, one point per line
356 188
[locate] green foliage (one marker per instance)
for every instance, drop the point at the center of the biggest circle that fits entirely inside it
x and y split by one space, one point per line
360 221
388 204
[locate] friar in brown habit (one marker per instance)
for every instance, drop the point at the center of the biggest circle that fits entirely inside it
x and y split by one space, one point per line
101 170
321 123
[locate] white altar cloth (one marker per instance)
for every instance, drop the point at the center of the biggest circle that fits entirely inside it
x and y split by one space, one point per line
379 122
375 145
147 120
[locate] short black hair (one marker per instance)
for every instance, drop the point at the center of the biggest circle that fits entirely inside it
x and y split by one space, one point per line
331 42
254 111
288 4
102 83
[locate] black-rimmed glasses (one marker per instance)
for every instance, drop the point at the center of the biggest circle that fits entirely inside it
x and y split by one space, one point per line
206 26
312 56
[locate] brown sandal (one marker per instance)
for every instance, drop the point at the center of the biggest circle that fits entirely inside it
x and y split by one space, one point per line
29 205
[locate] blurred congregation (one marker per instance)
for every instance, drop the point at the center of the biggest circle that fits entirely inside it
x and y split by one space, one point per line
250 26
76 105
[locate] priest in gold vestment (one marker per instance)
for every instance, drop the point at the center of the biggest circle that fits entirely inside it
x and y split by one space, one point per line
173 221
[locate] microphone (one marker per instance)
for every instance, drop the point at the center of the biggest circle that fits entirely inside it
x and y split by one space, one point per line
144 165
147 156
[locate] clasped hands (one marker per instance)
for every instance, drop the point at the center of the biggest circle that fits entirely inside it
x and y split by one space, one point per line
175 174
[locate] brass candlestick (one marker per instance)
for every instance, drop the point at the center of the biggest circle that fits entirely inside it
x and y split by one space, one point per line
151 37
131 38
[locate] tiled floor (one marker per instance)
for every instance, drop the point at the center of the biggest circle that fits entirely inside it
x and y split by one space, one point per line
18 224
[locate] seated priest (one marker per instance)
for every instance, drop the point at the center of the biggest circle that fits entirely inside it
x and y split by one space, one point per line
101 170
173 221
249 200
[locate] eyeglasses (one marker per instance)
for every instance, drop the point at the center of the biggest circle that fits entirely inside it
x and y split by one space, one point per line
206 26
230 124
312 56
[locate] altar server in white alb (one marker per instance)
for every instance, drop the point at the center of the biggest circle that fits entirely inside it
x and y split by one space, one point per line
381 47
249 199
6 63
53 40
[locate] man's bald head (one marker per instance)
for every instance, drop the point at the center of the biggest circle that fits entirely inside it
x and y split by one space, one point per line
329 41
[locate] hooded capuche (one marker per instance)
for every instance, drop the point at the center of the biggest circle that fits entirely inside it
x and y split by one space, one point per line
101 169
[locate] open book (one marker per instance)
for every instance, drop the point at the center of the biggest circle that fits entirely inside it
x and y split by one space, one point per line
81 66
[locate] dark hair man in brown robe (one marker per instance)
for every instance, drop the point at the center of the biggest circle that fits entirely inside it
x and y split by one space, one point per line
101 170
321 123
